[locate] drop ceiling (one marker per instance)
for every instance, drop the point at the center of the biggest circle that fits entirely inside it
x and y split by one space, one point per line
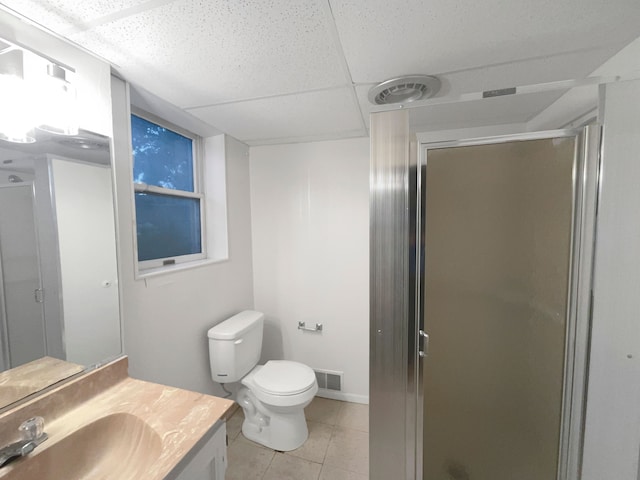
277 71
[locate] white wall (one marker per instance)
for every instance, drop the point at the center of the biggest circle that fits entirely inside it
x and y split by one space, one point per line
310 225
612 431
166 317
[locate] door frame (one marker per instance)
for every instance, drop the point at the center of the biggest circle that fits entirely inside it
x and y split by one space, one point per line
586 186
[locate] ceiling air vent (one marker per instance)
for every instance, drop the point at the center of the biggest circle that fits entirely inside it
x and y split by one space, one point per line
404 89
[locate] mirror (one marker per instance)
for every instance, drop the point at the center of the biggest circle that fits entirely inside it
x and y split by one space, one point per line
59 304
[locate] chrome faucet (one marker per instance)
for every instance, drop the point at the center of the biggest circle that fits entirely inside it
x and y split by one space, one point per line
32 432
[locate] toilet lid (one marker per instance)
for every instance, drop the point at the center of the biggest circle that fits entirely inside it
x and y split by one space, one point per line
282 377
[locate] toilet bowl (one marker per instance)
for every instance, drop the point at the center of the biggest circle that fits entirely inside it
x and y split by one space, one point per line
273 395
273 400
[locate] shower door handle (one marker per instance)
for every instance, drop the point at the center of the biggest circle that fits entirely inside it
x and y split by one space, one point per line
38 295
425 344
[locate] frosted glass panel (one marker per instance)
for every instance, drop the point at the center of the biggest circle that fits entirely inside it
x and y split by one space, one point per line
497 254
20 276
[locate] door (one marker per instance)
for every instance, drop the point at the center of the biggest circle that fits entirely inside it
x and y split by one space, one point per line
88 265
497 256
21 295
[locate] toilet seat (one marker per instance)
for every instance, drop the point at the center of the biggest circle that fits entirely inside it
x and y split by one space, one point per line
282 377
275 387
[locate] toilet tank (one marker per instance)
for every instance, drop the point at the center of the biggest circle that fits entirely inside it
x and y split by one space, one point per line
235 345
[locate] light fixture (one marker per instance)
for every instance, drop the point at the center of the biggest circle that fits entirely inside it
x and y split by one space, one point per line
57 103
408 88
34 94
16 112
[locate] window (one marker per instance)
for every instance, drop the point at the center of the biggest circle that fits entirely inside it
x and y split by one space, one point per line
168 200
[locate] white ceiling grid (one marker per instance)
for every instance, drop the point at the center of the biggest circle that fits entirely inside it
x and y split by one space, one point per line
272 71
323 114
219 62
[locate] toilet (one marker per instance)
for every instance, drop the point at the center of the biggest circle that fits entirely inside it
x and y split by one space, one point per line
273 395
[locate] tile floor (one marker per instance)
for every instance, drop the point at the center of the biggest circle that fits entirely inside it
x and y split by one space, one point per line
337 447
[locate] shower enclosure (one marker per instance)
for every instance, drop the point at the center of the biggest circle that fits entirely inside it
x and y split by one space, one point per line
21 307
481 257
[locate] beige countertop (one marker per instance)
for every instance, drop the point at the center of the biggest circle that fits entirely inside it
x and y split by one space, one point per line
32 377
168 422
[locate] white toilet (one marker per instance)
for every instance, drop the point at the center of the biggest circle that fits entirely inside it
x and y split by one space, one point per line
274 394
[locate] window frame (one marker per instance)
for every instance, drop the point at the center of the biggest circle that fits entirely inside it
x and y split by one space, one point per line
167 263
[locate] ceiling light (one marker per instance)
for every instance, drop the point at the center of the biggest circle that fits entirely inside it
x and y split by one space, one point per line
58 105
16 113
34 93
15 116
408 88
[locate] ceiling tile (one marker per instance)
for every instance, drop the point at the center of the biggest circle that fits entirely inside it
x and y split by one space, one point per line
195 53
528 72
476 113
490 111
384 39
63 15
574 104
309 115
214 53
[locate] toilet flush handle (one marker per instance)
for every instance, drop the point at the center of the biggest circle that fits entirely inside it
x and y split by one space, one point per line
238 342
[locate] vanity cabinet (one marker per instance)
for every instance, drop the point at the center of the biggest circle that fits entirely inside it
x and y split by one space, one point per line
208 462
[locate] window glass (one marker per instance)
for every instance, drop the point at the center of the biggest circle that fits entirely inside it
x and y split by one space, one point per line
168 203
167 226
161 157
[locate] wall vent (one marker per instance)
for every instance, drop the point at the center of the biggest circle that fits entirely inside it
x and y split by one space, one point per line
329 380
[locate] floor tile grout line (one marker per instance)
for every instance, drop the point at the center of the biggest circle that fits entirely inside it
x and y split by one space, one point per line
343 467
339 416
269 466
324 457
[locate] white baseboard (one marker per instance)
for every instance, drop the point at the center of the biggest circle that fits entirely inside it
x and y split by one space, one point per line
345 397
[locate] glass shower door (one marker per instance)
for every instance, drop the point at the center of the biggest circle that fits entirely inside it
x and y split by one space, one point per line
21 308
497 223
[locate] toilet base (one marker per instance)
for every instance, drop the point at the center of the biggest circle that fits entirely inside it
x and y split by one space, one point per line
278 430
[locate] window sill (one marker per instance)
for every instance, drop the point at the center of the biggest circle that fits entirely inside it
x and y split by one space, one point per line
180 267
